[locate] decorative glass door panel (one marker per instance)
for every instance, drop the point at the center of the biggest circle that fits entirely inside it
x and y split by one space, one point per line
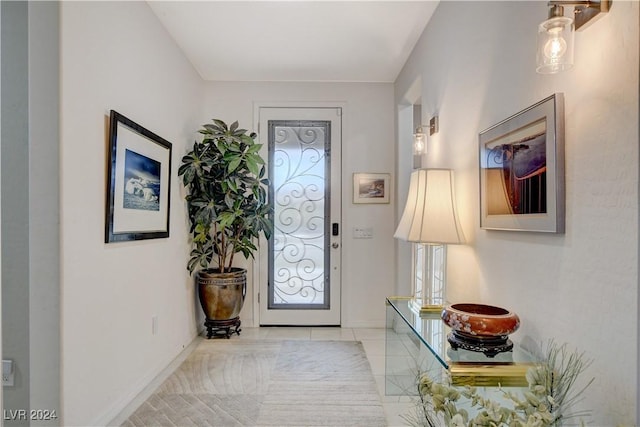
299 270
299 166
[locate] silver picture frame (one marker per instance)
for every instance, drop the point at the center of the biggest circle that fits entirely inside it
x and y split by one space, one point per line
522 183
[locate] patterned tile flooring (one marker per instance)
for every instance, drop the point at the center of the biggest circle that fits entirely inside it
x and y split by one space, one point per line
373 342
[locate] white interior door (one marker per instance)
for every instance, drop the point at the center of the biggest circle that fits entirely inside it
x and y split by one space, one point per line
300 271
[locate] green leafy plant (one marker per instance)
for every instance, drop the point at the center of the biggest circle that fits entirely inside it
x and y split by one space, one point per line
546 403
227 198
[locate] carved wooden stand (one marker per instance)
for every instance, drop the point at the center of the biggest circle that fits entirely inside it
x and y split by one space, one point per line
222 328
489 346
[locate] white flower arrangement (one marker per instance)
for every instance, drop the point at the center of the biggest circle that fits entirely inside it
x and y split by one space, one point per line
546 403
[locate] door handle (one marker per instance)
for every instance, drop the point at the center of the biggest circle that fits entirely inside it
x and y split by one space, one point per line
335 245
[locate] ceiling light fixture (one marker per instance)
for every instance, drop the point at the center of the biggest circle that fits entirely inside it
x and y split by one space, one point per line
555 35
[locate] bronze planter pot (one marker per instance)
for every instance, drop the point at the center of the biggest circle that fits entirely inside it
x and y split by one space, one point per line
221 297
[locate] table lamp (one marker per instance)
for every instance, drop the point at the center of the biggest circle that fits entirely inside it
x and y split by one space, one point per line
430 219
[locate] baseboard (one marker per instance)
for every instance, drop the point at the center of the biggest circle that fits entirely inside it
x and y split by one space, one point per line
126 406
372 324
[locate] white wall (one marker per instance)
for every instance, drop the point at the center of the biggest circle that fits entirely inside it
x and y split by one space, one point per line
44 212
116 55
1 353
30 142
477 65
407 107
15 215
367 136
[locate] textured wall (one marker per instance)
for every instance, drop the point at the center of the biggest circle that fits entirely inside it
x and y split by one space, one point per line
116 55
476 65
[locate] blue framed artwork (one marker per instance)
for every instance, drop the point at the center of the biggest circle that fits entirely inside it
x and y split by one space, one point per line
138 184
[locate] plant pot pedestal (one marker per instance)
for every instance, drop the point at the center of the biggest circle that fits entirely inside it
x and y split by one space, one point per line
222 328
221 296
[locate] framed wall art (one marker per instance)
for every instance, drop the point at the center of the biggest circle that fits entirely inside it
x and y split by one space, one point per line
371 187
138 182
522 170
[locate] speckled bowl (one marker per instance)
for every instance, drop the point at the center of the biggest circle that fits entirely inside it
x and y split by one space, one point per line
480 321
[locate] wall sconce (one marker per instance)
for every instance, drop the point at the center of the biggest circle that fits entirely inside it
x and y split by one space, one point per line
433 125
420 138
419 147
419 142
555 35
430 218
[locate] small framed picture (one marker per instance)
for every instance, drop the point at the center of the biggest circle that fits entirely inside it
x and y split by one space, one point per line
522 170
138 182
371 187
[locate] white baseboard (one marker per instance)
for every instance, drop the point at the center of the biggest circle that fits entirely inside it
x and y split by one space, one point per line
372 324
124 407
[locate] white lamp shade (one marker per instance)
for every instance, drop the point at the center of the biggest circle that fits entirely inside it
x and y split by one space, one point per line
430 213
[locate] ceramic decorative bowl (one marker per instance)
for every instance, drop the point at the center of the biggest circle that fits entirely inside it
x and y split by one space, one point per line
480 327
480 320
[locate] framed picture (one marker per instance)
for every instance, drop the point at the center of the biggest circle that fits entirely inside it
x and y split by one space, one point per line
522 170
138 184
371 187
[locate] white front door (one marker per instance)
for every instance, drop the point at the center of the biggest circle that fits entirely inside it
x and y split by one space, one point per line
300 271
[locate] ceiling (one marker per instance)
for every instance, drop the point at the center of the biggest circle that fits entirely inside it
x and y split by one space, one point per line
327 41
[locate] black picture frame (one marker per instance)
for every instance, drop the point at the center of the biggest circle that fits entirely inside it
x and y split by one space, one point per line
138 182
522 182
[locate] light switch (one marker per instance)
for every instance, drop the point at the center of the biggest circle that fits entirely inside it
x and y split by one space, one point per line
7 372
363 232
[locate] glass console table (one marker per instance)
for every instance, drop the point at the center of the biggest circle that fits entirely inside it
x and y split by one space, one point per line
417 343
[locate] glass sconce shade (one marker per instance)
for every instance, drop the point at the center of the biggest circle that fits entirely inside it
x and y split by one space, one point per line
555 45
419 142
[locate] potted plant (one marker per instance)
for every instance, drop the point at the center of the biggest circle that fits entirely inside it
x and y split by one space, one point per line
228 210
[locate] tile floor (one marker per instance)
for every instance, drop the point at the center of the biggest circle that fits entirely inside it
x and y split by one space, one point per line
373 341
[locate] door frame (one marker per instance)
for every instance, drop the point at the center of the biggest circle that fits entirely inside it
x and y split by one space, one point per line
257 265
